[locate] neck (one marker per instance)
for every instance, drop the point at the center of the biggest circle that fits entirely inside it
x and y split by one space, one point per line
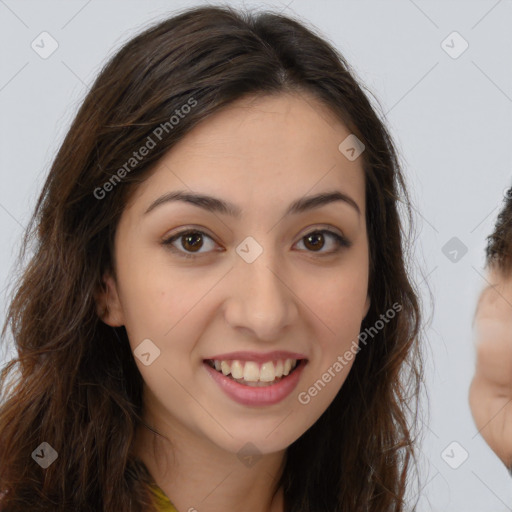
198 475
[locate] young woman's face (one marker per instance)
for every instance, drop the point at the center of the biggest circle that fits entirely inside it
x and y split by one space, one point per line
254 285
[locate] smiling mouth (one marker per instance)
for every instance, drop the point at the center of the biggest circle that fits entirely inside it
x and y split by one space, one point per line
254 374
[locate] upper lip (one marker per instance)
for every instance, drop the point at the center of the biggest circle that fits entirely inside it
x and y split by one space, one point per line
257 357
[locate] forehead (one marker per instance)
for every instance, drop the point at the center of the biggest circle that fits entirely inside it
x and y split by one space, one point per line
281 146
264 128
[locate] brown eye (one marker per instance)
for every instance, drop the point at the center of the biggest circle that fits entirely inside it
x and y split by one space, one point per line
191 241
316 240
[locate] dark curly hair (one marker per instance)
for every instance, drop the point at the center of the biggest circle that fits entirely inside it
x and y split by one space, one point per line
499 244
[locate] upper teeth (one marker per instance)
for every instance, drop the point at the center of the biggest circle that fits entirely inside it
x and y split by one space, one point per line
253 372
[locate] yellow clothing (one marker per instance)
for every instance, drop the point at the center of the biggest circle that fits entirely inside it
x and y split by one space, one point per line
162 501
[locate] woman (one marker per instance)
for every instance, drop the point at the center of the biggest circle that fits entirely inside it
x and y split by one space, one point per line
218 312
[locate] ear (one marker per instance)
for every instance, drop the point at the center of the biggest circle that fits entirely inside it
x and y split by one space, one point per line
108 305
367 305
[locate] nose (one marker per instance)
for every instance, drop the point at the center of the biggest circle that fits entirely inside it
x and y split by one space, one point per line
261 299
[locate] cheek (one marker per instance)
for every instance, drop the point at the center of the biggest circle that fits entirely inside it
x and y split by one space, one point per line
338 310
158 300
338 300
172 309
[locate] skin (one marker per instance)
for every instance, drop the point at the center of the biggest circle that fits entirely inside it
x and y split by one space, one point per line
490 393
261 153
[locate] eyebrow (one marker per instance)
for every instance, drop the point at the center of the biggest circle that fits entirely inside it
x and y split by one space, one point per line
214 204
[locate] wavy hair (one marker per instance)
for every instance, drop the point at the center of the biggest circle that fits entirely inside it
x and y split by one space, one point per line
74 383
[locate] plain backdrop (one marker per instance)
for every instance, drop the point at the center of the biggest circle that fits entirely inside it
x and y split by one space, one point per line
449 111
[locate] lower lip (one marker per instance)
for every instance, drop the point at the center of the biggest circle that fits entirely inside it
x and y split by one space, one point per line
250 395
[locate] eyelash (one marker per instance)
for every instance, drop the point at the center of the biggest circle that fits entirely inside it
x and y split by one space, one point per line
340 240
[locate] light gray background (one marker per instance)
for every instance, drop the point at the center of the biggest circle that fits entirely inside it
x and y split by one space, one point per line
451 119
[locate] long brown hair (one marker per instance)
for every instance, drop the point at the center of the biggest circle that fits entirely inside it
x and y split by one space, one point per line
78 388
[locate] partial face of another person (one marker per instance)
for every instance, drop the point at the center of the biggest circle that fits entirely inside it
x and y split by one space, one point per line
491 389
247 286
